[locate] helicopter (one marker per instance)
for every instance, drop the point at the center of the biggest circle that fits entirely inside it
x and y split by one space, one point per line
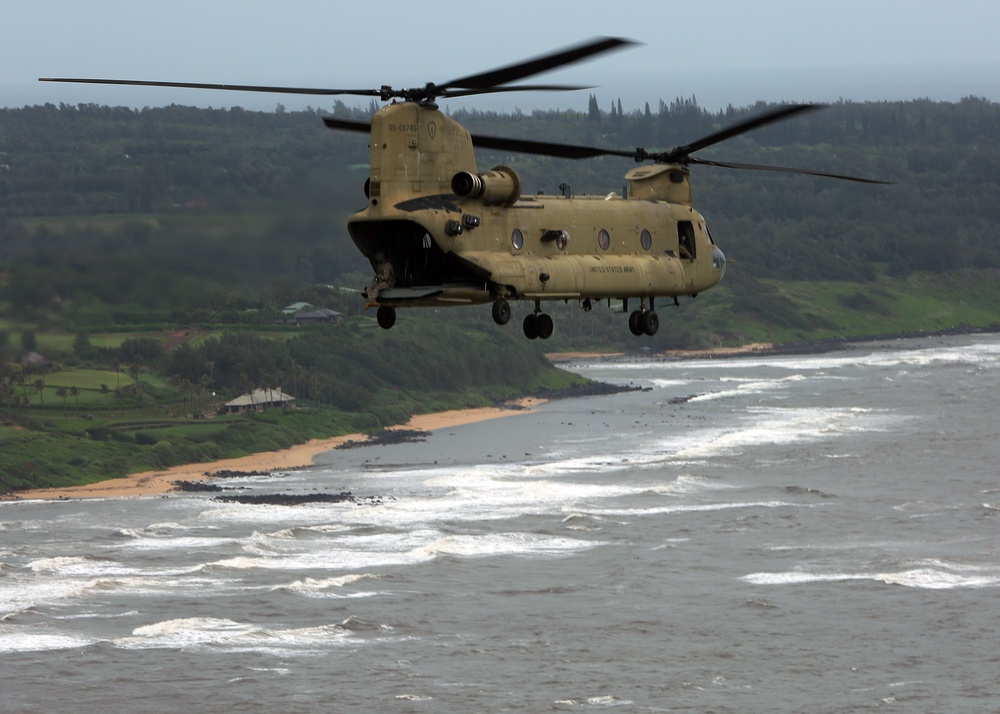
440 232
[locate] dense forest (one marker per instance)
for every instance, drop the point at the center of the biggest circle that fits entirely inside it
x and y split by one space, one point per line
195 213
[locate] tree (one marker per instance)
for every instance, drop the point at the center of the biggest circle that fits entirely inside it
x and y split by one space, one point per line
593 109
29 343
81 343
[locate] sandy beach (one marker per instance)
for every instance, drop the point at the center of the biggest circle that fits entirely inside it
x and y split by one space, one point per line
152 483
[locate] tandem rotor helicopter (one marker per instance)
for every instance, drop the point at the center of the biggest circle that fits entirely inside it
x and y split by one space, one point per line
438 231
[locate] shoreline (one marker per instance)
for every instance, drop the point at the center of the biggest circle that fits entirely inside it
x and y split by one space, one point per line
158 483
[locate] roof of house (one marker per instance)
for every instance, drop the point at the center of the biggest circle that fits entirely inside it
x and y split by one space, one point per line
297 307
261 396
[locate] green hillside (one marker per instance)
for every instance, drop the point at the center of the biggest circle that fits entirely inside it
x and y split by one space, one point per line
165 241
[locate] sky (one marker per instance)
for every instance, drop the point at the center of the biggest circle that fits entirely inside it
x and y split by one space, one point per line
719 51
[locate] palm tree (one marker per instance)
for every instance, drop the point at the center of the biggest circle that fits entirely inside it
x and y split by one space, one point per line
40 386
62 393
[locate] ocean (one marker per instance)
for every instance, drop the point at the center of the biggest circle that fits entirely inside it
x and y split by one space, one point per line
753 534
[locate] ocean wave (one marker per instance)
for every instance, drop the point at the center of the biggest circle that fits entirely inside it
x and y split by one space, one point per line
311 587
78 566
687 484
227 634
179 543
693 508
582 522
307 531
494 544
154 529
776 426
607 700
925 578
36 639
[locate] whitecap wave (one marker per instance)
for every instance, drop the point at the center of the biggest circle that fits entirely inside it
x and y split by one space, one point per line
229 635
928 578
35 639
478 546
326 587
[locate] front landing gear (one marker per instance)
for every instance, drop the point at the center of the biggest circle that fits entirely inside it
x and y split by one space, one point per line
501 311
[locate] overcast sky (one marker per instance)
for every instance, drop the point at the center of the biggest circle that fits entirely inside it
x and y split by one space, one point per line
721 51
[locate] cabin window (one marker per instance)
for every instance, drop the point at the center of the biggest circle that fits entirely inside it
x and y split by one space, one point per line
517 239
604 239
645 240
685 239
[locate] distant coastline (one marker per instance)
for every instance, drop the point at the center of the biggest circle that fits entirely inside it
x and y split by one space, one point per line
157 483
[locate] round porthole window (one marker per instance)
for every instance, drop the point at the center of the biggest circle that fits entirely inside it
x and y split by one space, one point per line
645 240
604 239
517 239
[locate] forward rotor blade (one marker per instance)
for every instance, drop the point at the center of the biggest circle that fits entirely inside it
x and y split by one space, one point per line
544 148
228 87
784 169
778 114
514 72
347 125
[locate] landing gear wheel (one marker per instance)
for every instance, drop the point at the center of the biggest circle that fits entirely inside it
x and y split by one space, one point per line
386 317
501 311
545 327
635 323
531 326
650 323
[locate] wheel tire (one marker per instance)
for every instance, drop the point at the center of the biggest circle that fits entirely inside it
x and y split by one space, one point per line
650 323
635 323
530 326
501 311
545 326
386 317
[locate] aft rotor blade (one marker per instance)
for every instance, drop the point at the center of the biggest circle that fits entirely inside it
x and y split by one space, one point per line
516 88
680 152
228 87
784 169
514 72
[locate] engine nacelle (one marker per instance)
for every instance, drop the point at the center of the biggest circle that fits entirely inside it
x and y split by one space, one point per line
498 185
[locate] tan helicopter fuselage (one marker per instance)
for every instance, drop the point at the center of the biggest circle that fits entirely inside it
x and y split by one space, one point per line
439 232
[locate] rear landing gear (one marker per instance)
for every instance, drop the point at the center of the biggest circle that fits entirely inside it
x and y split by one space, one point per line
386 317
539 325
644 321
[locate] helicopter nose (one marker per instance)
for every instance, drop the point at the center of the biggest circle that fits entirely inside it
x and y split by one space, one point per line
719 261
